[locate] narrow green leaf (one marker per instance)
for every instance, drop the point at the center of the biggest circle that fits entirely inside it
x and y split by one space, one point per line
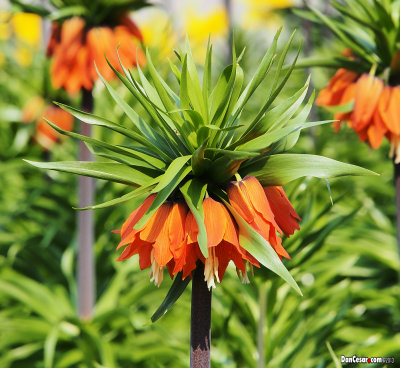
283 168
274 93
261 143
138 194
334 62
258 76
100 170
227 119
342 36
333 355
50 347
68 12
221 95
194 91
144 160
175 70
97 120
193 191
207 74
132 115
151 108
174 168
176 290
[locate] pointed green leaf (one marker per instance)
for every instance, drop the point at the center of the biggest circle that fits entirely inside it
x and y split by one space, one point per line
97 120
143 160
138 194
50 346
194 91
261 143
207 79
100 170
283 168
176 290
258 76
174 168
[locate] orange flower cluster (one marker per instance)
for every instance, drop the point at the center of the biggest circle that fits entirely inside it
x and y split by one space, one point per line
169 238
376 111
75 48
35 110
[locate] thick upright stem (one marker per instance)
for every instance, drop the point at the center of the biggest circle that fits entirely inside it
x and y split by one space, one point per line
86 274
200 326
397 186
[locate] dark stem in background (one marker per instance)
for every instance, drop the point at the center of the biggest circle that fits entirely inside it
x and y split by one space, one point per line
397 186
200 324
86 275
229 39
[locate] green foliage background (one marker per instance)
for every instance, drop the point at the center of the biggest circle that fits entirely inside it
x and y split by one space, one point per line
344 259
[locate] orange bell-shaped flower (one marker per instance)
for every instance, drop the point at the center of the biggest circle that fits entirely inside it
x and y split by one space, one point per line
75 49
248 198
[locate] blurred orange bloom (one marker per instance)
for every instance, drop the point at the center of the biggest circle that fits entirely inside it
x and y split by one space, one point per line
169 237
35 110
376 111
75 48
339 91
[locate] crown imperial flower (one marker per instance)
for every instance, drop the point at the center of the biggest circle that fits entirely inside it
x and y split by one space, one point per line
75 48
182 160
365 88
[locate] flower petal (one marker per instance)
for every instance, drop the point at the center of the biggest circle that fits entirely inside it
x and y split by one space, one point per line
285 215
153 227
214 221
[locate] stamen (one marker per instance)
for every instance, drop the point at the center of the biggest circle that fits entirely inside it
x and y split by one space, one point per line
211 269
244 277
395 148
156 271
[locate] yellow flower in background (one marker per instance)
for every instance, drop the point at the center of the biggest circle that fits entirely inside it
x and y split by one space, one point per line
199 26
260 13
28 28
157 30
272 4
26 33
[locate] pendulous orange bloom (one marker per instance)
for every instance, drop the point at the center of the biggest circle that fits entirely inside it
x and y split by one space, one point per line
376 111
249 199
285 215
332 94
75 48
339 91
35 110
169 237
